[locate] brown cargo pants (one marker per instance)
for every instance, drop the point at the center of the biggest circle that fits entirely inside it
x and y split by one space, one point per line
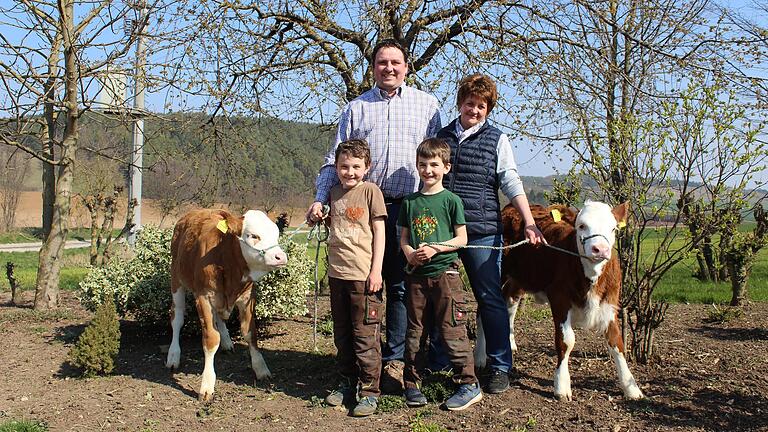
356 333
437 301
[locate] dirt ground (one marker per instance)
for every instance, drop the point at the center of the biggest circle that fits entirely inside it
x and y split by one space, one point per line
707 377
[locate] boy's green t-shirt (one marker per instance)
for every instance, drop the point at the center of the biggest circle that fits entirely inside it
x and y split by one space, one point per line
430 219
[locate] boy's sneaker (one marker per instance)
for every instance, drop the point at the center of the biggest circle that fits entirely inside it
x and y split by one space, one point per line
465 397
343 393
414 398
498 382
392 377
365 407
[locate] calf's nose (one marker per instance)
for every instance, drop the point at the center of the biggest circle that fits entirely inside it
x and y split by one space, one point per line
601 251
281 258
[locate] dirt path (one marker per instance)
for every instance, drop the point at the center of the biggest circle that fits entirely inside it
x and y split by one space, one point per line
707 377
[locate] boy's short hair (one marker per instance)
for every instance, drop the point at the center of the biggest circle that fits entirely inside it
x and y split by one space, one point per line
434 147
478 85
356 148
389 43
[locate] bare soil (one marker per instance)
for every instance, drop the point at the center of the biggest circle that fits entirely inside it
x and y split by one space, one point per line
706 377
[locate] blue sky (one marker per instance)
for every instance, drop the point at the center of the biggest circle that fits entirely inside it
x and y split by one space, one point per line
530 157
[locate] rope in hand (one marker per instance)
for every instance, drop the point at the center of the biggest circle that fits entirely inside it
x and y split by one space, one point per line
409 269
319 233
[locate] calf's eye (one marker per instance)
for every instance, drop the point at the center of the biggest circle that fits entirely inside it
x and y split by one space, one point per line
255 237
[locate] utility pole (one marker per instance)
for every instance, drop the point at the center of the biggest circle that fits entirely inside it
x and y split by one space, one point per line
137 152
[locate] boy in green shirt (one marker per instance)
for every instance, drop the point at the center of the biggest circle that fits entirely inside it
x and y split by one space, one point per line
433 228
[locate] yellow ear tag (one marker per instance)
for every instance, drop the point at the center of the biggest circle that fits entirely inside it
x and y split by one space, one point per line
621 224
556 215
222 226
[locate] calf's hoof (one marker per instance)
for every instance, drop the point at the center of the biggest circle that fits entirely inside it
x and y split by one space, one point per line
205 397
633 393
172 362
564 397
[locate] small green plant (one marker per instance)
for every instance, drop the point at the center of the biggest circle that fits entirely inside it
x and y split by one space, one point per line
722 315
23 426
535 313
315 401
419 424
325 326
96 349
390 403
437 386
529 425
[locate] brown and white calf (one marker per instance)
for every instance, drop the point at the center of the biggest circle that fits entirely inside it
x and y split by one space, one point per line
217 257
582 291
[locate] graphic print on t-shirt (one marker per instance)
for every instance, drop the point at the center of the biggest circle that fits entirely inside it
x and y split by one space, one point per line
424 225
347 220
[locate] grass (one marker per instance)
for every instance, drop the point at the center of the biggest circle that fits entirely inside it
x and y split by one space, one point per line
73 268
679 286
23 426
30 235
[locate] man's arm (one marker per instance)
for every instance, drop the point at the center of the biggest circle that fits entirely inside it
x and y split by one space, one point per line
434 123
327 178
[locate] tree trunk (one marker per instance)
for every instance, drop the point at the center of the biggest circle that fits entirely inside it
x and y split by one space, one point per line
52 134
709 257
49 264
703 273
739 273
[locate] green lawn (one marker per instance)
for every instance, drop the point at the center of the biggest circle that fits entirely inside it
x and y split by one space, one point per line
73 268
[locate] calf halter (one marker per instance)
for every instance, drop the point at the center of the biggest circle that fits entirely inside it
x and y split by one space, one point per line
262 252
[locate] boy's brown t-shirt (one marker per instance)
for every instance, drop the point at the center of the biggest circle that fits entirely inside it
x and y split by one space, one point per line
350 241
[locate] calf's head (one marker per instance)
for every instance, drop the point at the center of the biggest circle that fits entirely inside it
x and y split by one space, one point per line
258 242
596 226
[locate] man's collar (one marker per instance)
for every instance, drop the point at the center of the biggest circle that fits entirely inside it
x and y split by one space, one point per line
385 95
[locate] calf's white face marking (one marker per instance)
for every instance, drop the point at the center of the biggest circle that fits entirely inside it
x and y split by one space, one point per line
595 236
259 244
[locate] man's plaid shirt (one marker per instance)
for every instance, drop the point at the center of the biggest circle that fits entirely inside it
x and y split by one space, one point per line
393 127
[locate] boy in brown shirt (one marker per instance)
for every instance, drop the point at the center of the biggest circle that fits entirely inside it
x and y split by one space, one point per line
355 255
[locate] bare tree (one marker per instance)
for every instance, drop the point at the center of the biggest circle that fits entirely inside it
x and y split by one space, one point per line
602 82
45 95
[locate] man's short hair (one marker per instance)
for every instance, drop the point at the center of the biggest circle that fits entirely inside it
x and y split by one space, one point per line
389 43
480 86
355 148
434 147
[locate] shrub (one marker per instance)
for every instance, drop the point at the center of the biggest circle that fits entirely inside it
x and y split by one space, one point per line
96 349
119 278
284 291
140 286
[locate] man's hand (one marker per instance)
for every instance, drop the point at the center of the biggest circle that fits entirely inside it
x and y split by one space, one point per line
314 213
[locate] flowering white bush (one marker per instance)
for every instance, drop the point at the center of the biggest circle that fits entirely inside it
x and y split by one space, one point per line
140 286
119 278
284 291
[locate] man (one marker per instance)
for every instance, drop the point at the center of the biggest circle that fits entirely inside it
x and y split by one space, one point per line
393 118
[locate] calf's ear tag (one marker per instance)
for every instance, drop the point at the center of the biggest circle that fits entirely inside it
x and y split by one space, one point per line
222 226
621 224
556 215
